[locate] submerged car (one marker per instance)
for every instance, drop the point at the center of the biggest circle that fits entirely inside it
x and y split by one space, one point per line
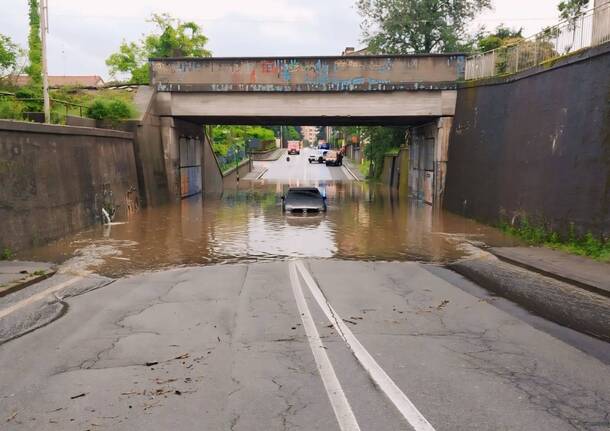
303 199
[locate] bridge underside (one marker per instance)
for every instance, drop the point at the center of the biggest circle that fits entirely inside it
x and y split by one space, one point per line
308 121
374 108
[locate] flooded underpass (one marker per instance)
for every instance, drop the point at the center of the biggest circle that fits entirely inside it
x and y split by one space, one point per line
363 222
228 302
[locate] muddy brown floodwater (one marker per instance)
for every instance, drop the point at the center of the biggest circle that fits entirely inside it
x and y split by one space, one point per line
363 222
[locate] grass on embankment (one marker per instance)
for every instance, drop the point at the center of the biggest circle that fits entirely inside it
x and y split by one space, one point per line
364 168
587 245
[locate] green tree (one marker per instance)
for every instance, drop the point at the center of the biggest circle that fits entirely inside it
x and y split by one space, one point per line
34 69
417 26
569 10
171 38
381 140
501 37
9 55
292 134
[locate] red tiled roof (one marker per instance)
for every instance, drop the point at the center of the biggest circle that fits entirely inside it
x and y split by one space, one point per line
87 81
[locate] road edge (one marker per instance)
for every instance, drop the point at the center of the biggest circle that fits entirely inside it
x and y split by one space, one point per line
566 304
22 284
350 173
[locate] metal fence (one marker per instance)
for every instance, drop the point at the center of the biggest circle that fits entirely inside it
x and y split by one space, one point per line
235 155
589 29
67 108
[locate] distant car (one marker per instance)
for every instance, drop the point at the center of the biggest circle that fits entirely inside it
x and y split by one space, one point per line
317 156
294 148
303 199
333 158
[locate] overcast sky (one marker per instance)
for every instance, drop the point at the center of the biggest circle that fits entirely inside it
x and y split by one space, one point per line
83 33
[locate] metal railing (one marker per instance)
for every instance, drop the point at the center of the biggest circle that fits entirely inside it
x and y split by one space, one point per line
66 105
587 30
235 156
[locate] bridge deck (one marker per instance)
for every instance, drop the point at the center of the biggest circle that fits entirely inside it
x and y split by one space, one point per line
309 74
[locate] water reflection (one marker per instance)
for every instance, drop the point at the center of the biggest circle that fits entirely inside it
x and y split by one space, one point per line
363 222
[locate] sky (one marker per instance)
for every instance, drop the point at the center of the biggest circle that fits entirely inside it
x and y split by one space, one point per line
83 33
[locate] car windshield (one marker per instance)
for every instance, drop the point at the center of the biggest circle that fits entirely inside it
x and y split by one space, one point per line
304 192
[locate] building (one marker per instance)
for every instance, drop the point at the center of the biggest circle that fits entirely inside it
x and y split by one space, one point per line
310 134
352 52
86 81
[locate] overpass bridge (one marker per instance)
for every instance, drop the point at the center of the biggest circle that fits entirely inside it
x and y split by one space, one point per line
186 93
309 90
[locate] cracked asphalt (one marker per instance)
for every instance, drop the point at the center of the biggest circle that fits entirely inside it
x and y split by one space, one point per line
223 348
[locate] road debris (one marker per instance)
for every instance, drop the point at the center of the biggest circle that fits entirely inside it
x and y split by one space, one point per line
13 416
442 304
73 397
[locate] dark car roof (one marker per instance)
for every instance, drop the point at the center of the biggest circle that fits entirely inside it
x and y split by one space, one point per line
303 189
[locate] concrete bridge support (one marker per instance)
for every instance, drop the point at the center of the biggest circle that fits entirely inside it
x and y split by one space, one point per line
428 156
174 156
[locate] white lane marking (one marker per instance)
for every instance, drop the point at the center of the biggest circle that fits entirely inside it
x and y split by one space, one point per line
338 400
379 376
348 173
38 296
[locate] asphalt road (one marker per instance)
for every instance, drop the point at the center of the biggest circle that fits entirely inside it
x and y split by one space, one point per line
312 345
299 170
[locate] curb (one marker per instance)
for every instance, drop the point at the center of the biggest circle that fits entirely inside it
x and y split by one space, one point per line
262 173
586 286
17 286
350 172
272 158
563 303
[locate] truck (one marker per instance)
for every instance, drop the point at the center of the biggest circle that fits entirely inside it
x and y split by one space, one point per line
294 147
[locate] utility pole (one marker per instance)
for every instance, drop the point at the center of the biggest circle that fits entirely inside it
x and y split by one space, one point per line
44 29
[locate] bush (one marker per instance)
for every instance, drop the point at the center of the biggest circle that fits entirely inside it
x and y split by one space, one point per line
35 105
110 109
11 109
6 253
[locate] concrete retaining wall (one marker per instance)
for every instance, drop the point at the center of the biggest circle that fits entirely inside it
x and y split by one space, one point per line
56 179
395 171
536 145
230 177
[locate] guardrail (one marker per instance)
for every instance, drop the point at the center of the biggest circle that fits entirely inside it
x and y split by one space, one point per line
587 30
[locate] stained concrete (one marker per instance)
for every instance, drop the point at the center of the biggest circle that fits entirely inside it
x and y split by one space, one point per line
536 146
303 74
56 179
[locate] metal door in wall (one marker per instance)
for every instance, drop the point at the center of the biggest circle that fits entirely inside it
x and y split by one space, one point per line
428 171
190 166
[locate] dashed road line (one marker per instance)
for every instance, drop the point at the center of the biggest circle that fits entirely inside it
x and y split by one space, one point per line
338 400
379 376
